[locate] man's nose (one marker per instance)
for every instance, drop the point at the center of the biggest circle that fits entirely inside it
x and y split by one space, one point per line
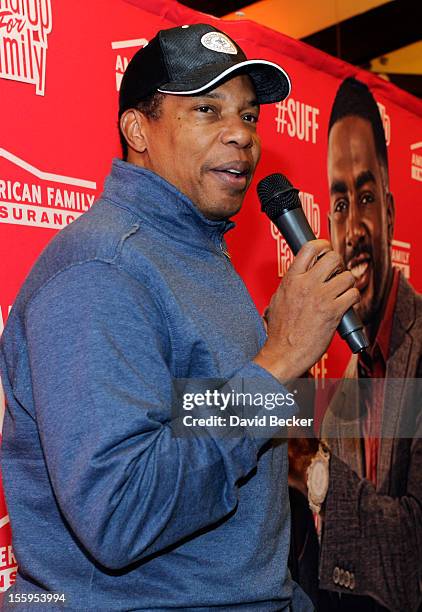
238 133
355 231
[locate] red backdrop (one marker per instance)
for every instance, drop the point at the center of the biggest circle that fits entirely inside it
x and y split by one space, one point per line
61 63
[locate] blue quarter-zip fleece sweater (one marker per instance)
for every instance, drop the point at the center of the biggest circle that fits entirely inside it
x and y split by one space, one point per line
106 505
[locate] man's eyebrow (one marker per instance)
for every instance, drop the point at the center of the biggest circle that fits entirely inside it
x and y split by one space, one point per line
214 95
364 177
338 187
211 94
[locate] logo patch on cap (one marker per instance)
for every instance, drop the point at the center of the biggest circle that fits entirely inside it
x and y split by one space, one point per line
216 41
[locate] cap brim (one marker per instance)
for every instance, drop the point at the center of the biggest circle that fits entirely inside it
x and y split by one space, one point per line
272 83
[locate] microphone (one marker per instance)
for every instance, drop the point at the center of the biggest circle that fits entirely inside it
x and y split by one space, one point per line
280 202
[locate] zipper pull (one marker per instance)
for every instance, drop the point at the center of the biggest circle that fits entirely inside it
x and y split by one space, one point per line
224 250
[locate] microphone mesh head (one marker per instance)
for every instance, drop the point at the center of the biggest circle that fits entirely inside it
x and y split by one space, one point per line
277 195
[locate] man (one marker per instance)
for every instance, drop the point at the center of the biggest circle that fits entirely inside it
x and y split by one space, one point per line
108 507
371 547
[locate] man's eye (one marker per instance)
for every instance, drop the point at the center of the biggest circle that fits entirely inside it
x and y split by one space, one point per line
340 206
250 118
367 198
205 109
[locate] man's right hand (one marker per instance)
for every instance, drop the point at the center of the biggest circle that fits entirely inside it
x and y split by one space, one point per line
305 311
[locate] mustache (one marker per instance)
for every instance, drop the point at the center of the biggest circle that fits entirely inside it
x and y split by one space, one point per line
359 249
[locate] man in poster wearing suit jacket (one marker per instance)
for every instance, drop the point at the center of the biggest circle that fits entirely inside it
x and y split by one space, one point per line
369 497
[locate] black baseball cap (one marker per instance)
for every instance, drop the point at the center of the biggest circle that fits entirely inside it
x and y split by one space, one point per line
191 59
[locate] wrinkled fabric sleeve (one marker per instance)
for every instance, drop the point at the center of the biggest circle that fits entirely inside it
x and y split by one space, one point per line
99 351
376 537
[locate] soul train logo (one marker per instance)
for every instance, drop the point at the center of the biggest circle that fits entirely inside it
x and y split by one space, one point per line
386 122
312 212
24 28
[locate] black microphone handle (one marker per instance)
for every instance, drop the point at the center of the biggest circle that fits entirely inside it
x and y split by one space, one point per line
296 230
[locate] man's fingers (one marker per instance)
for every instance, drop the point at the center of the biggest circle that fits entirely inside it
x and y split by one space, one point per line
308 255
347 299
328 266
340 283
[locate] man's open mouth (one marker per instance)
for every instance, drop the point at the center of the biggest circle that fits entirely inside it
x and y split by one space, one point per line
360 267
235 173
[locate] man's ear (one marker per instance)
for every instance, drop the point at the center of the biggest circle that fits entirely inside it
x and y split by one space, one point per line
132 124
391 216
329 223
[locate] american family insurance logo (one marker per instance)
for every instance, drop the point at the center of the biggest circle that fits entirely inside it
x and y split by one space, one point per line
8 567
122 57
400 256
416 162
24 29
30 196
313 214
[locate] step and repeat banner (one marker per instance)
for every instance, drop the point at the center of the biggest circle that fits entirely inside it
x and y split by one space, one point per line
61 64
